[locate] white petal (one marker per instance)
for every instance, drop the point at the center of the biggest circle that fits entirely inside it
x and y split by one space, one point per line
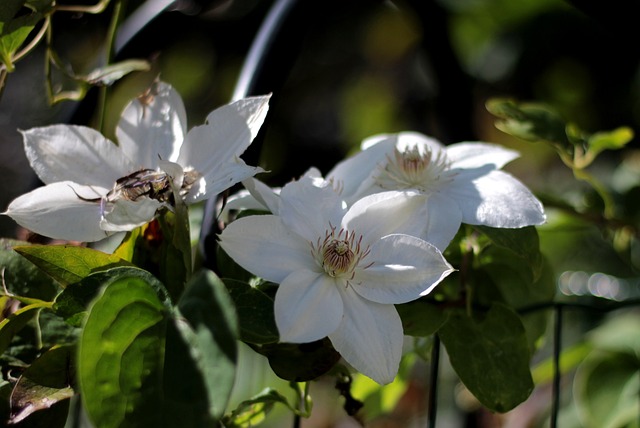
265 247
123 215
75 153
267 197
369 337
308 307
153 127
353 172
56 211
174 171
252 109
220 179
443 218
474 155
381 214
404 268
310 210
497 200
227 134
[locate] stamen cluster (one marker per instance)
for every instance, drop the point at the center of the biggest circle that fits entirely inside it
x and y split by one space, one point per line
413 169
339 253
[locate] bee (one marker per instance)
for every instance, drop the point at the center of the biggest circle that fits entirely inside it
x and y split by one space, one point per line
145 182
148 183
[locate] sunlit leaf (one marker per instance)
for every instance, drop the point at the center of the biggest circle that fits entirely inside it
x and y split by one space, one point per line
255 313
44 383
68 264
121 355
491 356
253 411
529 121
14 30
609 140
72 304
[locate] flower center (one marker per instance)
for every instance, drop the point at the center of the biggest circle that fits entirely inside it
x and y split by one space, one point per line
339 253
413 169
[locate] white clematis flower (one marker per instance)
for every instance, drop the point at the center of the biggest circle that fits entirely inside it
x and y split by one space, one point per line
460 183
340 270
94 188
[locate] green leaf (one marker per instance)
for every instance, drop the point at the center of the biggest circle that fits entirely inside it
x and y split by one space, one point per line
9 9
606 390
22 277
68 264
252 412
14 30
570 358
513 280
106 76
609 140
209 326
300 362
46 382
41 6
255 313
529 121
121 356
522 242
72 304
491 356
16 322
421 318
618 334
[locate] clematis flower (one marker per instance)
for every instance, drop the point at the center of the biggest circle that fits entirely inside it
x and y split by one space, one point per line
340 270
460 183
94 188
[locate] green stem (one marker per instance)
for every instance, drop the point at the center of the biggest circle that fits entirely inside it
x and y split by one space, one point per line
95 9
111 35
3 79
33 43
581 174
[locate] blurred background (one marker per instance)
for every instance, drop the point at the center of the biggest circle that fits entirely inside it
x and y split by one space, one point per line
341 71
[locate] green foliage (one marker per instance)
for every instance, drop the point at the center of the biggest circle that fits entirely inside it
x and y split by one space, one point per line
72 303
46 382
211 334
300 362
491 356
16 321
68 264
608 380
253 411
421 317
21 277
121 355
15 27
255 313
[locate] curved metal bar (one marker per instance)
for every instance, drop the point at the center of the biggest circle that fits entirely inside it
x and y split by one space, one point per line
262 44
139 19
261 49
